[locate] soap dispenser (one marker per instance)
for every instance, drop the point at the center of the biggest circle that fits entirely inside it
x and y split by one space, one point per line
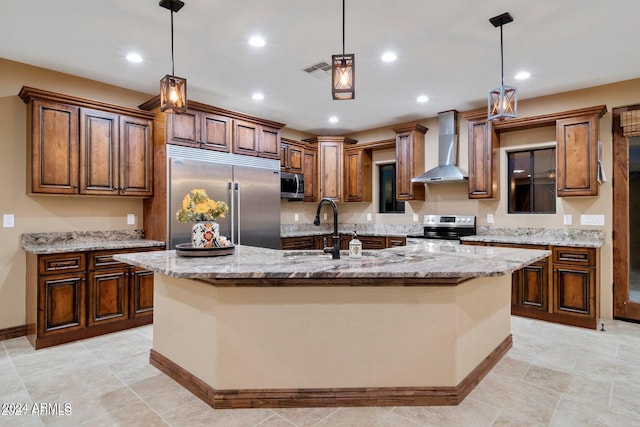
355 247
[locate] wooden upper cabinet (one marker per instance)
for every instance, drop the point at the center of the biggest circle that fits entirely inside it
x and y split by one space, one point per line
291 156
330 165
253 139
135 157
310 173
357 175
200 129
409 161
79 146
577 156
53 148
484 146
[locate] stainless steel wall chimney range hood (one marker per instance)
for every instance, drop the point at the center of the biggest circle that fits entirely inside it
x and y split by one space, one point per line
446 171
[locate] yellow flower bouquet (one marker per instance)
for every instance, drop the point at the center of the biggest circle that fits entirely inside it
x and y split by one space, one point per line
197 206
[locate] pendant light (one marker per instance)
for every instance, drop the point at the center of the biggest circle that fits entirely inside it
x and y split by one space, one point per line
343 72
173 90
503 100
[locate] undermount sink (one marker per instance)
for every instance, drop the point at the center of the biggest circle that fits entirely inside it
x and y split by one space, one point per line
344 254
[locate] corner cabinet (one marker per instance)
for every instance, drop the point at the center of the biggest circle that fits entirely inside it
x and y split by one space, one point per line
409 161
77 295
78 146
330 151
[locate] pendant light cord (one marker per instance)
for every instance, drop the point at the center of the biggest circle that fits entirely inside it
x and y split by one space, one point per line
343 27
501 60
173 71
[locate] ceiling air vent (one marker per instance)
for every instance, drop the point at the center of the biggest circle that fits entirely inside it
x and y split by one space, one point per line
320 70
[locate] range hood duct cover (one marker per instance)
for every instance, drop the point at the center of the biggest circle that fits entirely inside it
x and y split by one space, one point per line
446 171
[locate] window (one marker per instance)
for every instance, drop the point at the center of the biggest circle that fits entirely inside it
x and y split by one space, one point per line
387 186
532 181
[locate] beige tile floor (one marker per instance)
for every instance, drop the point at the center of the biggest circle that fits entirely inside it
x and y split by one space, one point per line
553 376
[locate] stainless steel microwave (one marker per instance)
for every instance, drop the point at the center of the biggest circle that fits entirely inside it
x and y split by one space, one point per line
291 186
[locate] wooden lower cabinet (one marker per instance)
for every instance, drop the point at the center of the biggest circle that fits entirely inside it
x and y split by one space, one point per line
77 295
563 288
326 240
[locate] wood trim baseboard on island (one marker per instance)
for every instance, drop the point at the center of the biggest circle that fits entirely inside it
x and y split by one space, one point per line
331 397
14 332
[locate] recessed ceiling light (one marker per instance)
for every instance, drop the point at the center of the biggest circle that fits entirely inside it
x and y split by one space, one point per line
257 96
389 57
333 119
422 99
522 75
134 57
257 41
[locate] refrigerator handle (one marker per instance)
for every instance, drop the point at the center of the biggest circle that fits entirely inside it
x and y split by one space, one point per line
231 209
237 186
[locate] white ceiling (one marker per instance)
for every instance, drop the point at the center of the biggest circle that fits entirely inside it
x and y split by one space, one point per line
446 50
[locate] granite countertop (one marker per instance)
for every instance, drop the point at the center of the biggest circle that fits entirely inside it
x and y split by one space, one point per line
416 261
80 241
539 236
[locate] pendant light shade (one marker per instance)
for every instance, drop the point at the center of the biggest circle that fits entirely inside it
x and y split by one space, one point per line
503 100
173 89
343 72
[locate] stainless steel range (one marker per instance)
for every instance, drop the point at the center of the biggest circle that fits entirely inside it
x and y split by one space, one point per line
447 227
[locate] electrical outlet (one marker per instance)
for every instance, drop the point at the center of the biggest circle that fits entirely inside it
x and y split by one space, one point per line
131 219
325 216
8 220
489 218
296 217
568 219
369 217
415 217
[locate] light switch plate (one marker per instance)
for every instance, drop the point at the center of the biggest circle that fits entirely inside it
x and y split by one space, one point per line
415 217
592 219
369 217
8 220
568 219
325 216
489 218
131 219
296 217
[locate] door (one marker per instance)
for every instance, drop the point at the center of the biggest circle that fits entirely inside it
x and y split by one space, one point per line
626 212
186 175
257 206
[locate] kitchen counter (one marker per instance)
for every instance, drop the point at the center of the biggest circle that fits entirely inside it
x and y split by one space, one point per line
539 236
81 241
420 260
413 325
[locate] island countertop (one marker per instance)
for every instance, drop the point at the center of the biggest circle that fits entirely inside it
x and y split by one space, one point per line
398 265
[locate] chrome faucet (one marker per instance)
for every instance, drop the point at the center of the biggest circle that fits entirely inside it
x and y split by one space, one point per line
335 250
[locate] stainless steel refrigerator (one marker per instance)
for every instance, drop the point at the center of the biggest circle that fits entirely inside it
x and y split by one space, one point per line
250 186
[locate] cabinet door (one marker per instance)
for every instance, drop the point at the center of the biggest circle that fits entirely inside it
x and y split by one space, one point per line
98 152
409 163
108 296
61 303
530 286
310 170
183 128
577 156
574 290
300 243
135 157
215 132
141 294
330 170
357 179
269 142
54 148
483 160
291 158
246 138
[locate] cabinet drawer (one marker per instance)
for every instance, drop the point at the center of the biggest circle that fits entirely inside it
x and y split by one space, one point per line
373 242
305 242
62 263
396 241
104 259
576 256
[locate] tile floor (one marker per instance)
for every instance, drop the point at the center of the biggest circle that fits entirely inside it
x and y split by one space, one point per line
553 376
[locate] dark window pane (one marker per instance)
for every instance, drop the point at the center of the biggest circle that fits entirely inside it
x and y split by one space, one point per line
387 186
532 181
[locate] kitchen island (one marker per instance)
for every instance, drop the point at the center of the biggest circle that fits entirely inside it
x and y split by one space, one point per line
415 325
